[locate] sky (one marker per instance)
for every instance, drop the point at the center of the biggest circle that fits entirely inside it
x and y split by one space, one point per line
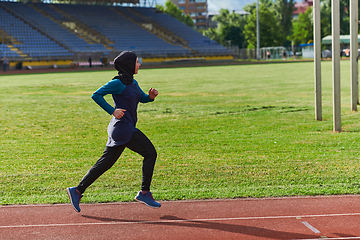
216 5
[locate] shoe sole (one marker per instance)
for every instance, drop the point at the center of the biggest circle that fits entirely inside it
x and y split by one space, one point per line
146 203
69 194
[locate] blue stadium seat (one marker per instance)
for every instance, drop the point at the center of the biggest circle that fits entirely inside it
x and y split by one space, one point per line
23 32
125 34
40 35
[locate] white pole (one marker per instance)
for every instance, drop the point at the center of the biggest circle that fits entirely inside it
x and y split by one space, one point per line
336 64
257 30
354 53
317 59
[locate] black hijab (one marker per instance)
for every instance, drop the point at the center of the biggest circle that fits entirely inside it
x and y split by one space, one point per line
125 64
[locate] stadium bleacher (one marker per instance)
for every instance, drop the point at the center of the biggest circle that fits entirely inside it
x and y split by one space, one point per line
30 41
196 40
40 31
50 28
125 34
9 53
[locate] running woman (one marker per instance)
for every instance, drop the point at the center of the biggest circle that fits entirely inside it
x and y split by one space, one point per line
122 131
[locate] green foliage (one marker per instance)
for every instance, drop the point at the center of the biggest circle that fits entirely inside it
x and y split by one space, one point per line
325 21
270 29
303 28
277 26
275 22
284 10
213 35
230 28
344 17
220 132
326 17
171 9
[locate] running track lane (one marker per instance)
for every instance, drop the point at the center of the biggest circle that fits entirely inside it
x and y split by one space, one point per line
332 217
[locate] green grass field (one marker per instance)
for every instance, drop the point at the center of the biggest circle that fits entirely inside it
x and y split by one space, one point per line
220 132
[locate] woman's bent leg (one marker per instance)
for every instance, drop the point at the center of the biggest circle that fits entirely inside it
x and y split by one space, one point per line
139 143
105 162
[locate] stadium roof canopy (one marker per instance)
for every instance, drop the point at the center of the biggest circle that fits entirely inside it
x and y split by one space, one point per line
344 39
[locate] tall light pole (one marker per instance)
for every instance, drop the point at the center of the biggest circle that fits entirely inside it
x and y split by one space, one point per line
257 30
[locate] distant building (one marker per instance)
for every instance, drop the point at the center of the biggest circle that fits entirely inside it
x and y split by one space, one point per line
213 24
197 9
301 7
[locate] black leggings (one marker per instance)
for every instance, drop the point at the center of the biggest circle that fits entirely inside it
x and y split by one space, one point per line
138 143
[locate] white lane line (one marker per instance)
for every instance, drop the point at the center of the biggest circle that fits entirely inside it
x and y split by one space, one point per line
175 220
308 225
330 238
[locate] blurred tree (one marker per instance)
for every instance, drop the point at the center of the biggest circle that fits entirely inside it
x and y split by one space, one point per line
270 28
230 29
284 10
277 26
326 17
302 28
325 21
212 34
344 17
303 25
171 9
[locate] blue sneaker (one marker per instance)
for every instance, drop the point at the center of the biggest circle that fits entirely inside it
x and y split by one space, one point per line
75 197
147 199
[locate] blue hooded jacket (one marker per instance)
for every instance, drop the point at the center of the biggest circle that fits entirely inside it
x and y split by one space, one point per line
125 97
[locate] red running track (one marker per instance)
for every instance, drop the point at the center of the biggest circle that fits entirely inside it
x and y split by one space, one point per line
332 217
